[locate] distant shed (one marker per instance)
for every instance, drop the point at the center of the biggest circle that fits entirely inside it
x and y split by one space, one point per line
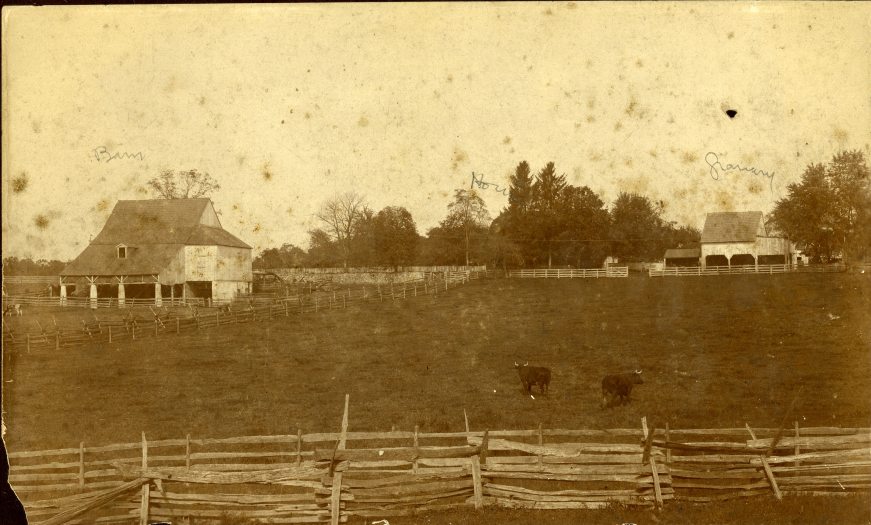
161 248
682 257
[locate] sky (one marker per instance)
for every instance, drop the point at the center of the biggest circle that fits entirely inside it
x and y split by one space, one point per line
288 105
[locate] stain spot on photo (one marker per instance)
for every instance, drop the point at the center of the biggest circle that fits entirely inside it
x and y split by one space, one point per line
653 153
20 182
41 221
459 157
591 119
639 63
688 157
840 134
103 205
266 172
506 140
755 187
363 122
731 35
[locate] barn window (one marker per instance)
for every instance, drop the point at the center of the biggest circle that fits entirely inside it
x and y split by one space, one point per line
122 252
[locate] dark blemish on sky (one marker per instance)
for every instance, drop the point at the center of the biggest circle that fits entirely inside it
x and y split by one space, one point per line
436 94
731 35
725 201
506 140
652 153
307 115
639 63
282 121
571 5
202 100
256 228
627 162
732 113
459 157
689 157
36 127
591 119
618 126
103 205
363 122
595 156
548 11
840 135
266 172
450 78
20 182
755 187
41 221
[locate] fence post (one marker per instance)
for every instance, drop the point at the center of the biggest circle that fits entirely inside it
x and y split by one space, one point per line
187 451
768 473
797 450
28 343
155 328
146 488
286 313
57 340
335 500
647 457
540 448
82 464
110 334
416 453
133 332
316 303
298 446
177 327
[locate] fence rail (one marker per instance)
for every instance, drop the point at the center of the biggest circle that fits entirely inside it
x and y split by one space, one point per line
746 269
258 308
379 269
570 273
330 477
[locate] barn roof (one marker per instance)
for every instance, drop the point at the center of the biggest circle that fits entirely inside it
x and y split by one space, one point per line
683 253
154 231
731 226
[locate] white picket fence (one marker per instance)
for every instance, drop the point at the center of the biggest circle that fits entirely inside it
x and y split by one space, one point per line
746 269
570 273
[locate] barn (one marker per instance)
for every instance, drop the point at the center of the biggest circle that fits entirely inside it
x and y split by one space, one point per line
741 238
161 249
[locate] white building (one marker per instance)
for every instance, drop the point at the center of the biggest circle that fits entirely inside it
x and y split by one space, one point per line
740 238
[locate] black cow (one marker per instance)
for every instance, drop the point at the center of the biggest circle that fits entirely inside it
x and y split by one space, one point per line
619 387
533 375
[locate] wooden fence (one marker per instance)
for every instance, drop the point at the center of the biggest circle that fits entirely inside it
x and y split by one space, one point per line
169 322
747 269
31 279
381 269
571 273
329 477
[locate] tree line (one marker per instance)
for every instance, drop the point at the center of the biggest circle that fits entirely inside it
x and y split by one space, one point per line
546 222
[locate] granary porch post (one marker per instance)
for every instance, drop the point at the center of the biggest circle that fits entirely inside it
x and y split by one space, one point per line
158 298
122 298
63 292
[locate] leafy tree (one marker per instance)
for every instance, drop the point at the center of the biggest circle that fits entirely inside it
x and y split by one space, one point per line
322 251
287 256
184 184
637 228
514 221
546 217
340 215
585 228
828 213
395 236
467 216
363 250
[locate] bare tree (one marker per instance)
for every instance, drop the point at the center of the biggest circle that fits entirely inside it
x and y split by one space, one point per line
185 184
340 215
468 215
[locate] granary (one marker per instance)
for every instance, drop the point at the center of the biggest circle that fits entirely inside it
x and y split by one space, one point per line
162 248
741 238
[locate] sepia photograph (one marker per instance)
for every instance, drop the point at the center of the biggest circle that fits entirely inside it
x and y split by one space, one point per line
445 263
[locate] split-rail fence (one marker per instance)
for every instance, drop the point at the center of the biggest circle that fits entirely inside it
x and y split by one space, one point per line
330 477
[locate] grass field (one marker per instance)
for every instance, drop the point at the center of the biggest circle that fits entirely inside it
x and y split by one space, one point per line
716 352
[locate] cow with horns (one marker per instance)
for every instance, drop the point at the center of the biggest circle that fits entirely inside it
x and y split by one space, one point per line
533 375
619 387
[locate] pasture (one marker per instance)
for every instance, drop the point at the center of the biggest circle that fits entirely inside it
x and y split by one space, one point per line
716 352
